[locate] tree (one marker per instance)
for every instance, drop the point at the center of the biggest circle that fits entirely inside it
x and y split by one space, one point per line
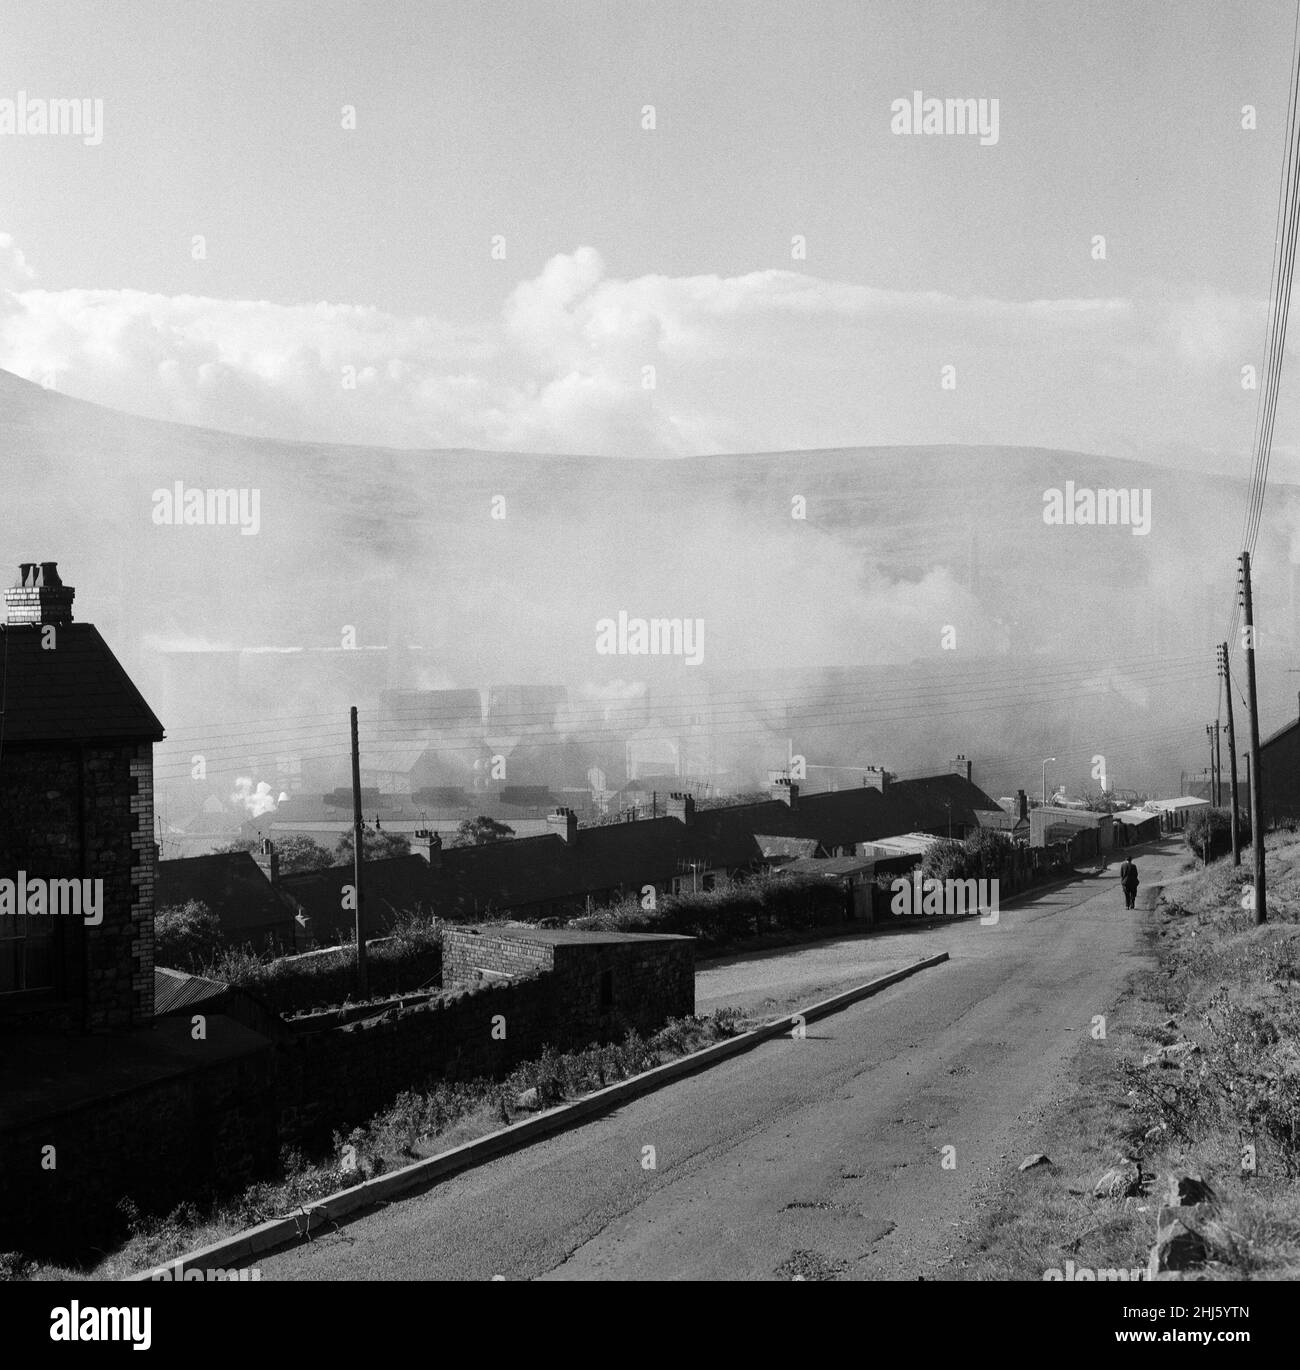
990 852
946 860
477 832
1209 831
297 852
186 936
376 845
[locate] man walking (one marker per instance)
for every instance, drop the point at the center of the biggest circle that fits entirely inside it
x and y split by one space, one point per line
1128 878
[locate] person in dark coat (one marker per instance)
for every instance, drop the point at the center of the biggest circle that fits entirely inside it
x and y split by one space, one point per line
1128 877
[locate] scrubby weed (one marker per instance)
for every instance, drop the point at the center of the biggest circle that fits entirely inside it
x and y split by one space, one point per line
1241 985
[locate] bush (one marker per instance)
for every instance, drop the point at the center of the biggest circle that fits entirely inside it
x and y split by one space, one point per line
731 911
1215 827
408 961
186 936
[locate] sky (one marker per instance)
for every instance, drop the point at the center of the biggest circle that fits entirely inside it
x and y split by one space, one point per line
502 254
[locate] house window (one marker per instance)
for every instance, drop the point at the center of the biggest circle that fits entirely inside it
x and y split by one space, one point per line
26 958
607 989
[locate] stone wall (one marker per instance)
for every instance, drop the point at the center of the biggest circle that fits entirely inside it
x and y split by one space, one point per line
608 982
186 1137
466 953
333 1080
87 813
220 1125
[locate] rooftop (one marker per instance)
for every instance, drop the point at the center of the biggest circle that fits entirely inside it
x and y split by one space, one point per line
77 692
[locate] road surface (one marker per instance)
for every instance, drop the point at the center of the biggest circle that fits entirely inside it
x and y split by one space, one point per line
815 1158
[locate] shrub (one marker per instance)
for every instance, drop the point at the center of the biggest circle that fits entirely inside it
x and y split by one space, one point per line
1214 826
186 936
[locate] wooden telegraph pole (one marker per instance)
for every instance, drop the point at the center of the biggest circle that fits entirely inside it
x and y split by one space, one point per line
1213 795
357 848
1225 672
1256 776
1218 764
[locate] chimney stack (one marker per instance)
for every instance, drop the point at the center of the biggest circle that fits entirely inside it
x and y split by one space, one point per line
429 845
39 596
876 778
564 822
1022 804
269 860
785 791
682 807
960 766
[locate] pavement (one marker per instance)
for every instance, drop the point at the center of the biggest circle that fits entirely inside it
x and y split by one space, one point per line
857 1152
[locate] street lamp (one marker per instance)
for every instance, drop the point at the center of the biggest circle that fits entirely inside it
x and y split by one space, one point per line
1046 759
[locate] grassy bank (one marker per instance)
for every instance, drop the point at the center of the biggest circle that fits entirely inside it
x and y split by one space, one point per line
1199 1075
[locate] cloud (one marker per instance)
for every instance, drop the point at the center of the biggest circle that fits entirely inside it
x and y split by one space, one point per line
576 361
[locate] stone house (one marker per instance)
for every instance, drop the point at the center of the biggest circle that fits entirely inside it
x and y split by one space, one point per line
76 807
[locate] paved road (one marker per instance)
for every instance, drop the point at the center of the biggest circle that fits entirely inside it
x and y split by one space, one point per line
820 1157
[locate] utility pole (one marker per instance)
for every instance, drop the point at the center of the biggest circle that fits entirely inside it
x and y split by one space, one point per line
358 846
1212 796
1225 671
1218 765
1256 776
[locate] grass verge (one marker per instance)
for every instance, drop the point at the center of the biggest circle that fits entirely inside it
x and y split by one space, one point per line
1202 1077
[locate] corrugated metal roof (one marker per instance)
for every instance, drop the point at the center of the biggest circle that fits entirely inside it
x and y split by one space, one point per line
173 990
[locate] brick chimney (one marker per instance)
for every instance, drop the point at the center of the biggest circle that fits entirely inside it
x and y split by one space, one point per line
39 596
269 860
1022 804
564 823
960 766
785 791
876 778
681 807
429 845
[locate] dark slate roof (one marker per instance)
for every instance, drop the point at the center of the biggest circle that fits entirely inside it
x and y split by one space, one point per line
999 820
545 869
75 692
231 884
830 867
770 846
390 886
1280 732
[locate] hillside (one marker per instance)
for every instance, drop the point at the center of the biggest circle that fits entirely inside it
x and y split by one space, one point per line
897 544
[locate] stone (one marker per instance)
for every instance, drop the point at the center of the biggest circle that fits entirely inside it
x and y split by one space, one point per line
1122 1181
1184 1191
1172 1056
1034 1161
1178 1245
